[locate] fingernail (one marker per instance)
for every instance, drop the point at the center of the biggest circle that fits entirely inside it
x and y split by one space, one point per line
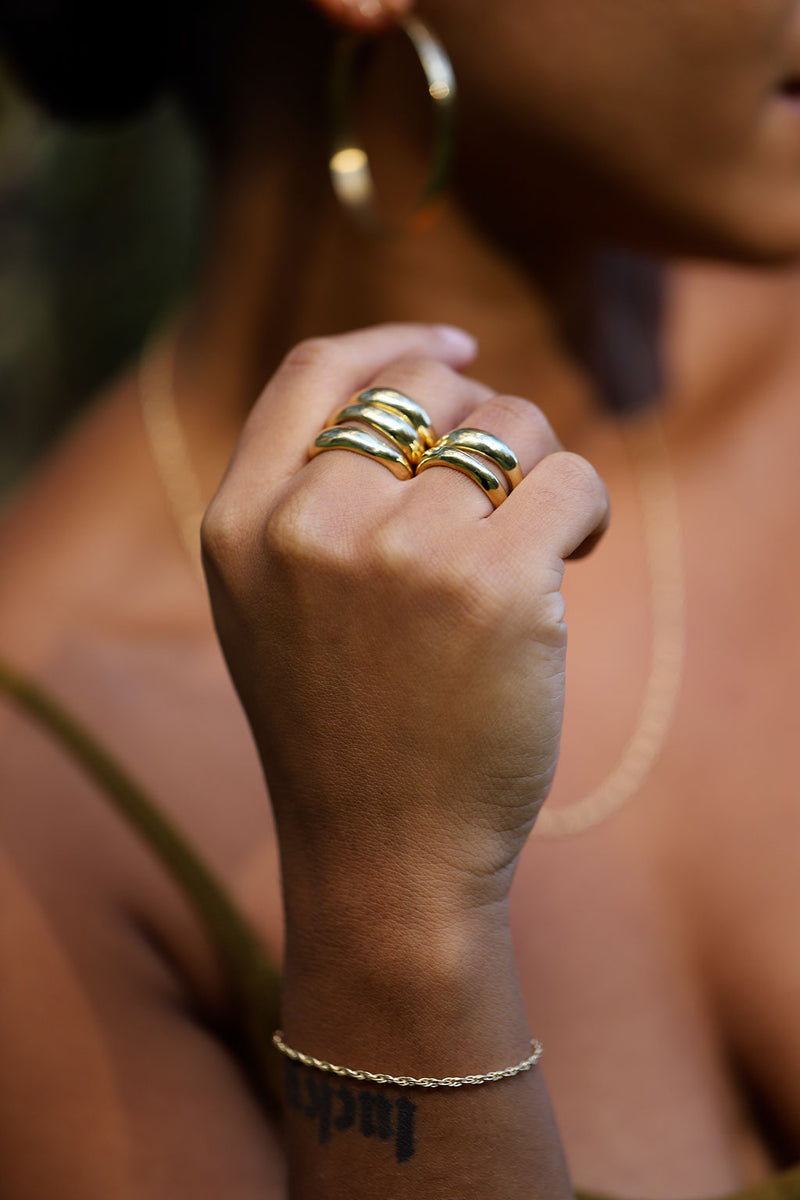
457 338
367 10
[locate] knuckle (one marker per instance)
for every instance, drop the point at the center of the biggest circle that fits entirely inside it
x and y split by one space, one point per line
576 476
224 533
289 531
536 421
312 354
395 550
302 531
547 619
522 413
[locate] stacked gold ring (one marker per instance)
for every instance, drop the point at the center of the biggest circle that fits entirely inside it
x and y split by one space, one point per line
398 430
414 413
368 444
488 446
459 449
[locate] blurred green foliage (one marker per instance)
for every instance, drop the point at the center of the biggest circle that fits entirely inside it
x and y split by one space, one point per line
99 231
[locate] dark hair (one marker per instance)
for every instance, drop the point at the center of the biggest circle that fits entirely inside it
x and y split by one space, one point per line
91 63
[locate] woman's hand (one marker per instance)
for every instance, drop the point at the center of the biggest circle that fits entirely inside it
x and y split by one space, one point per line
399 646
399 649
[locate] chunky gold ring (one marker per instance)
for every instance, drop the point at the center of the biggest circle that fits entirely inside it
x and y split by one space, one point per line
361 442
489 446
397 402
395 428
459 460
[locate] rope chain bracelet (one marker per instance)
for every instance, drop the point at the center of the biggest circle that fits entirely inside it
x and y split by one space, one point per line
407 1081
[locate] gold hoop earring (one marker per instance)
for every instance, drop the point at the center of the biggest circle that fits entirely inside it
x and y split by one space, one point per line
349 162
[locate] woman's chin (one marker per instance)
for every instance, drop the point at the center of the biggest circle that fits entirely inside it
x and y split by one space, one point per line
756 246
765 234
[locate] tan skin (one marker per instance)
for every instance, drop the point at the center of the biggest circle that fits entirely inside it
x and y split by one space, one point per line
656 954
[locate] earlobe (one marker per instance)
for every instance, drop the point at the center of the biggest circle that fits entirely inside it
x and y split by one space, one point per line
366 16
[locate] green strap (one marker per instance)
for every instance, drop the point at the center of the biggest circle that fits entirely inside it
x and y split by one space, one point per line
783 1187
255 982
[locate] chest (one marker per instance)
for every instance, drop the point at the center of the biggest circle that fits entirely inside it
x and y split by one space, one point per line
634 936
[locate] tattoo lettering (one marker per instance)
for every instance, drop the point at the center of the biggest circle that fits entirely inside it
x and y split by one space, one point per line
339 1107
376 1115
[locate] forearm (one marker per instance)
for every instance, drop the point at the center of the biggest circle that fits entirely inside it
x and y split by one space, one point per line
389 987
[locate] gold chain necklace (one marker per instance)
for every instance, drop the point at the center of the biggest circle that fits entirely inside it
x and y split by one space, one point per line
663 538
167 443
662 533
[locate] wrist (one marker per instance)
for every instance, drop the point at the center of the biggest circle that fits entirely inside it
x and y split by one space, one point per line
424 925
404 990
377 874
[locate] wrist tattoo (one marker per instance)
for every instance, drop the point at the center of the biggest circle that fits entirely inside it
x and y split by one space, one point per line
339 1107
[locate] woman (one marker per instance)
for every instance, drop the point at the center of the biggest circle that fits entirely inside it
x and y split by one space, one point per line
398 646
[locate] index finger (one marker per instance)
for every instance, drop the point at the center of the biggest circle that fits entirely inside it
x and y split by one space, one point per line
321 374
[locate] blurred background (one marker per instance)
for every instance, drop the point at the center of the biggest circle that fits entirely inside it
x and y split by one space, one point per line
99 229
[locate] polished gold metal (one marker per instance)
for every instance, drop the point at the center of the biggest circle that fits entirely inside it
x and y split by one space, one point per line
399 431
349 162
361 442
408 1081
489 446
167 442
459 460
398 402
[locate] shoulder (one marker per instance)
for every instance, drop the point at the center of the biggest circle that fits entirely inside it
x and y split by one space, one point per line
111 1035
107 1079
101 609
84 540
